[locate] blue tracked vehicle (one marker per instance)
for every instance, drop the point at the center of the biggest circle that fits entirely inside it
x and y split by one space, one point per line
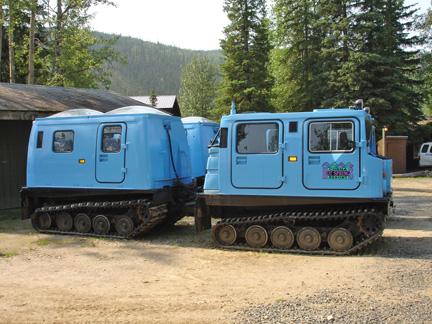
296 182
114 175
291 182
199 132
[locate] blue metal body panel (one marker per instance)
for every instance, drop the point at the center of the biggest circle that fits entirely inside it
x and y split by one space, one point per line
200 132
290 158
118 150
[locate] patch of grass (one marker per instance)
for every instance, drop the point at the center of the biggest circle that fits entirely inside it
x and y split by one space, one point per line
46 241
280 300
10 221
8 254
42 242
90 242
105 257
11 214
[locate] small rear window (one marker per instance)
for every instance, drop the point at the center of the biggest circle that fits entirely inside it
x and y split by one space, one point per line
425 148
39 140
63 141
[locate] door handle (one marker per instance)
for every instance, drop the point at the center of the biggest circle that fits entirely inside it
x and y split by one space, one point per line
314 160
241 160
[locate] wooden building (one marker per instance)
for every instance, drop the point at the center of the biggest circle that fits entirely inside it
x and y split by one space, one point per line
20 104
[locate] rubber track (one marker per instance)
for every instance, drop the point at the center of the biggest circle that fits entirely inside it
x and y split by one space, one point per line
304 215
157 214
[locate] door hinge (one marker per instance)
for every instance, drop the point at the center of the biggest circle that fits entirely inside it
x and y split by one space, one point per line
283 179
361 144
123 170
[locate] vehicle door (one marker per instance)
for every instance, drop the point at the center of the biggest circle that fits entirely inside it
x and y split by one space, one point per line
111 152
257 155
331 157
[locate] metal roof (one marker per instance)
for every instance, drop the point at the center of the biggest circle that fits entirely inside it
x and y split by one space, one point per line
23 101
163 102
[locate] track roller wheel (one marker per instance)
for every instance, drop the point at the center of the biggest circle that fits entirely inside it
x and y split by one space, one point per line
82 223
124 225
256 236
43 221
101 225
370 224
64 222
340 239
308 238
282 237
224 235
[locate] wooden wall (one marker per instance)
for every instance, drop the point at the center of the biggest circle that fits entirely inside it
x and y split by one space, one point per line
14 135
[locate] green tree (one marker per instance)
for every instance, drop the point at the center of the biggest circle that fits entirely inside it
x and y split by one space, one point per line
1 36
426 59
381 66
31 57
12 4
153 99
295 59
66 52
246 79
15 51
198 87
75 58
337 32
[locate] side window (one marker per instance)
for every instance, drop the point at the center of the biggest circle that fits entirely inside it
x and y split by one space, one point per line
63 141
327 137
425 148
39 140
111 139
257 138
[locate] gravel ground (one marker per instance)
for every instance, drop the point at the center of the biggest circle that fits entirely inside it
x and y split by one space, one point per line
341 307
177 276
402 295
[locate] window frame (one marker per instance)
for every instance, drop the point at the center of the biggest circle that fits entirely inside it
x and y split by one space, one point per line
330 150
102 148
257 123
427 146
56 141
39 140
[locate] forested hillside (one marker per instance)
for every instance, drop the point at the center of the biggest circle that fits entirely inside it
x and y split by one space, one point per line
151 66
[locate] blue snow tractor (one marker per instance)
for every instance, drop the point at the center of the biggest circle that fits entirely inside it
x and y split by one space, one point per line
296 182
116 174
200 132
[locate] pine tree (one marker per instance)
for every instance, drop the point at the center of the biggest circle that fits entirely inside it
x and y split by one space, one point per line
426 61
380 67
198 87
296 56
1 37
153 99
74 56
337 42
33 8
246 78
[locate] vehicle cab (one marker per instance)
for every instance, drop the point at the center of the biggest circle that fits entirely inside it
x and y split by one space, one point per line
425 155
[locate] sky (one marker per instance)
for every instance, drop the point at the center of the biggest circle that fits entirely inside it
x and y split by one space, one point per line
188 24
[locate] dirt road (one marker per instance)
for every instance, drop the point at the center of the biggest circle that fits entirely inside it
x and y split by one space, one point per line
179 277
